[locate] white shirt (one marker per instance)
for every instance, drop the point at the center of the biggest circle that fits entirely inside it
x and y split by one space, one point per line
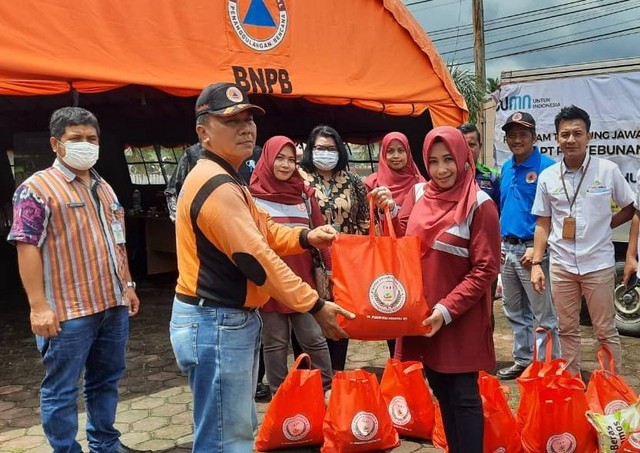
636 204
592 249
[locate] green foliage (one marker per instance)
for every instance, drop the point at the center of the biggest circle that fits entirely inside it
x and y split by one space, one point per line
469 88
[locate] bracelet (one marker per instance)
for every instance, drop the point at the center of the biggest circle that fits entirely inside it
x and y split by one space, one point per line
536 263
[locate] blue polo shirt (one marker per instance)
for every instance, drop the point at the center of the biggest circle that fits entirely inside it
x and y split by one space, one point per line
518 183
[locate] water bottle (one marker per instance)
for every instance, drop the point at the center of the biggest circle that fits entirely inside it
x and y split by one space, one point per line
137 201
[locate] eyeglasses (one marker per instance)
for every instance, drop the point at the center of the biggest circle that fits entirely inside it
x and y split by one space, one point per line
325 148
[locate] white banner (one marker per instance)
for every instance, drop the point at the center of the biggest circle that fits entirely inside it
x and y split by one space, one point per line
611 100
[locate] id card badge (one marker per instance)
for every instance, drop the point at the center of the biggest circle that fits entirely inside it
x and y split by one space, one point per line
569 228
118 232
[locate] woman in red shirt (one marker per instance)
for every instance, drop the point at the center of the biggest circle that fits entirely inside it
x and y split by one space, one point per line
460 246
278 188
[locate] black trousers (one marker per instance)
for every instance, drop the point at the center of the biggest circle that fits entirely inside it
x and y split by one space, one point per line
338 353
461 407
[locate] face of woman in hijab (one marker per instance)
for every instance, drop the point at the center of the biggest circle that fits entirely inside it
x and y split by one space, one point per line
285 163
442 166
396 155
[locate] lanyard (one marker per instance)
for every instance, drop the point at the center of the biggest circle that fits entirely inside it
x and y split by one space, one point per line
328 192
564 186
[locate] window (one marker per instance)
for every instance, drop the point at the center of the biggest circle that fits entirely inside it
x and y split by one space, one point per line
153 164
364 158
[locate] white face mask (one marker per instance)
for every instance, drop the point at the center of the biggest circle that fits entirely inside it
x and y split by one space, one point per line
80 155
325 160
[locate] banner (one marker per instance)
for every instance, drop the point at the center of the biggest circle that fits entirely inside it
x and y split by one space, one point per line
609 101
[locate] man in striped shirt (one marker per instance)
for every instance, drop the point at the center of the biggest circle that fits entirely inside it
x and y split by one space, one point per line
69 231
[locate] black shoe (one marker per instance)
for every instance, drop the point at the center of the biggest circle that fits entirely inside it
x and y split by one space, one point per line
262 391
512 372
124 449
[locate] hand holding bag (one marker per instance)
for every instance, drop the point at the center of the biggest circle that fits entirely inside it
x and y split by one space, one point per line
379 279
357 418
295 414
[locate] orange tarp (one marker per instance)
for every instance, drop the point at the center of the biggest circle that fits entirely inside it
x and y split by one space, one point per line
370 53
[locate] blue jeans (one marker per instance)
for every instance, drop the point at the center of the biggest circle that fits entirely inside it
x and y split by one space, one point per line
524 308
97 344
218 348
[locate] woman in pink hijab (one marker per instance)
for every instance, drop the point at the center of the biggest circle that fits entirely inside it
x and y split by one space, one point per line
460 245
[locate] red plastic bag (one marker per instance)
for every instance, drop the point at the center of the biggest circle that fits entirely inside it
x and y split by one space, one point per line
295 414
631 445
379 279
557 422
500 428
607 392
534 377
357 418
438 436
408 399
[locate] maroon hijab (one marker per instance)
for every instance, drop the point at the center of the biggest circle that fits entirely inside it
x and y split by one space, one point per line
265 185
439 209
399 182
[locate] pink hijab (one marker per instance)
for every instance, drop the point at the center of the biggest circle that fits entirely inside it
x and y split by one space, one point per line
265 185
399 182
439 209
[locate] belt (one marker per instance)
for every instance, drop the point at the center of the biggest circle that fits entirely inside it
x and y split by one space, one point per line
201 302
515 241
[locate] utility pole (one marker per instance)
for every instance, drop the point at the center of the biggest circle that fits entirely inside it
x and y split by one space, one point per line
478 56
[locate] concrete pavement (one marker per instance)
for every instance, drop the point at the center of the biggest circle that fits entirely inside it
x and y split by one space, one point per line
155 404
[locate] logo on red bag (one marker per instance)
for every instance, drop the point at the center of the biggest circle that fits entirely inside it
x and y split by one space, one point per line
562 443
615 406
500 450
296 427
632 441
399 411
364 425
386 294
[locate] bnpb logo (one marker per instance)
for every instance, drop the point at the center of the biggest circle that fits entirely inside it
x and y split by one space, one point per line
260 24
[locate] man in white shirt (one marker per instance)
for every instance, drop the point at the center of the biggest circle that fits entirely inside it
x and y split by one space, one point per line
573 205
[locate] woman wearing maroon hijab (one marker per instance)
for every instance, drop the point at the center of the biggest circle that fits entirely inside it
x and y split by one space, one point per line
278 188
396 169
460 245
398 172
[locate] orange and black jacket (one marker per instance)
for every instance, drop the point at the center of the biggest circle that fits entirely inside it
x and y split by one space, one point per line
229 250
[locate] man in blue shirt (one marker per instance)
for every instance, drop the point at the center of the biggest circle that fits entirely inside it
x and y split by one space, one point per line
524 308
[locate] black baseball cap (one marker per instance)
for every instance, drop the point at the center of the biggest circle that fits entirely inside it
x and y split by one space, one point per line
522 118
224 99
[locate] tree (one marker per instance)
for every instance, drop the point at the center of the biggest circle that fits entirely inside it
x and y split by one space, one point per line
469 88
493 84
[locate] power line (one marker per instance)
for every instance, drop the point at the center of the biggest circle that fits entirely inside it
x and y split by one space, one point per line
528 21
553 28
587 39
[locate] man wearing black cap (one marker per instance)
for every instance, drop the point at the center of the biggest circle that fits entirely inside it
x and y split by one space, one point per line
228 262
524 308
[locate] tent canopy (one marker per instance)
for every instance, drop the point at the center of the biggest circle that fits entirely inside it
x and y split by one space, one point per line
370 54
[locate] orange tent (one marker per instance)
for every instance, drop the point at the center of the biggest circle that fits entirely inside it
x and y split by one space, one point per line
370 54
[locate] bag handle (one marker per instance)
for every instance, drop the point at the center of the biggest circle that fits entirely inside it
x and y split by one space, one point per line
602 350
415 367
372 222
298 362
548 345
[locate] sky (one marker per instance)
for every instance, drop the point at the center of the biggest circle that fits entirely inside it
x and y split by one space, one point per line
513 26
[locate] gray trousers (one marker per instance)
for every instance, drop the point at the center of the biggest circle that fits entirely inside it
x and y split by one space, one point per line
275 340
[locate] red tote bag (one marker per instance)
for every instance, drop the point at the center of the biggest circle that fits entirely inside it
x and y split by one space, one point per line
408 399
607 392
296 412
501 432
357 419
379 278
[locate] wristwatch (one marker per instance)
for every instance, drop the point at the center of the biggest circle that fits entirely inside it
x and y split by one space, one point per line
131 284
536 263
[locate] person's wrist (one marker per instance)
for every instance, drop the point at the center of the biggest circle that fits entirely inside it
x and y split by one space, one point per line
536 263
